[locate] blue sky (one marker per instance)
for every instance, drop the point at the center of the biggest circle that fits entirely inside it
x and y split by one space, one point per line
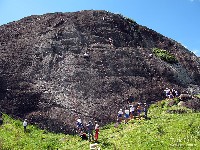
176 19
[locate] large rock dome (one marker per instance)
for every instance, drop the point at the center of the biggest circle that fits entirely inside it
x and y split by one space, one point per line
47 77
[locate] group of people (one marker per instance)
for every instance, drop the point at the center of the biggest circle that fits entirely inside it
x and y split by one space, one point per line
89 128
171 93
133 112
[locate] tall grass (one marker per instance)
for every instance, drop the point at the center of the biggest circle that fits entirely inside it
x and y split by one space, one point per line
13 138
163 131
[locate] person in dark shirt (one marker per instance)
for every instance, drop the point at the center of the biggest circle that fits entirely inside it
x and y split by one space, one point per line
90 128
1 119
130 100
145 110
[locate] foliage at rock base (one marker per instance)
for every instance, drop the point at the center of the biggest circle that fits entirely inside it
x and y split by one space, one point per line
162 130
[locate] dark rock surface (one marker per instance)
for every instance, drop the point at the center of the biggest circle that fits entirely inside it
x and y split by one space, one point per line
46 78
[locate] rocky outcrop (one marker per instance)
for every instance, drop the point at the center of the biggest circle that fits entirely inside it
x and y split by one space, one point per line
46 77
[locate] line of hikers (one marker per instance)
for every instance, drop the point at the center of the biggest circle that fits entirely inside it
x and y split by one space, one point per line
171 93
133 112
90 127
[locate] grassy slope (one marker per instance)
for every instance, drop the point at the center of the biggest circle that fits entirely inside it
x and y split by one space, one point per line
162 131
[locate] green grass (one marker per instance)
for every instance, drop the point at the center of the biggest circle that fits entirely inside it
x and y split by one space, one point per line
13 138
163 131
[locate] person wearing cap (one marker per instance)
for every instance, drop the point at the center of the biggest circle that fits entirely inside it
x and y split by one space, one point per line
90 128
96 136
25 123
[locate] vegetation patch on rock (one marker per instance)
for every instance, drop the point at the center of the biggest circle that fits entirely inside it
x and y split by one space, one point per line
165 55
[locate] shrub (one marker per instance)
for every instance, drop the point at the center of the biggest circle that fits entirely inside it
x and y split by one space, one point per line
165 55
198 96
160 130
193 104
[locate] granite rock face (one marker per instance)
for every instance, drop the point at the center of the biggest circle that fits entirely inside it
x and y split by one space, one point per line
60 66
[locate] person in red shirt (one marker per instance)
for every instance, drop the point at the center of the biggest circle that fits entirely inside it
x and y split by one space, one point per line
96 136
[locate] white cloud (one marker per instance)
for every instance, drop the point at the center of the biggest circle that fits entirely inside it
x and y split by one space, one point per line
185 46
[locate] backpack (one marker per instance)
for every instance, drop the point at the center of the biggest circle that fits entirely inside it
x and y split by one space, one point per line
90 126
79 124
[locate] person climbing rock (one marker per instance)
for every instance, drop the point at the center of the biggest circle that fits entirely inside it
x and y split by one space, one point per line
110 41
130 99
86 55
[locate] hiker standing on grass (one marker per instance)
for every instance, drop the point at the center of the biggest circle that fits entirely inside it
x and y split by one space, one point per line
145 110
25 123
117 123
120 115
126 116
96 136
177 94
167 92
132 111
90 128
139 110
1 119
79 125
171 95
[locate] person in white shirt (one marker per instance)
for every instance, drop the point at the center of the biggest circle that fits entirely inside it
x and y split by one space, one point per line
126 116
120 115
25 123
132 111
167 92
